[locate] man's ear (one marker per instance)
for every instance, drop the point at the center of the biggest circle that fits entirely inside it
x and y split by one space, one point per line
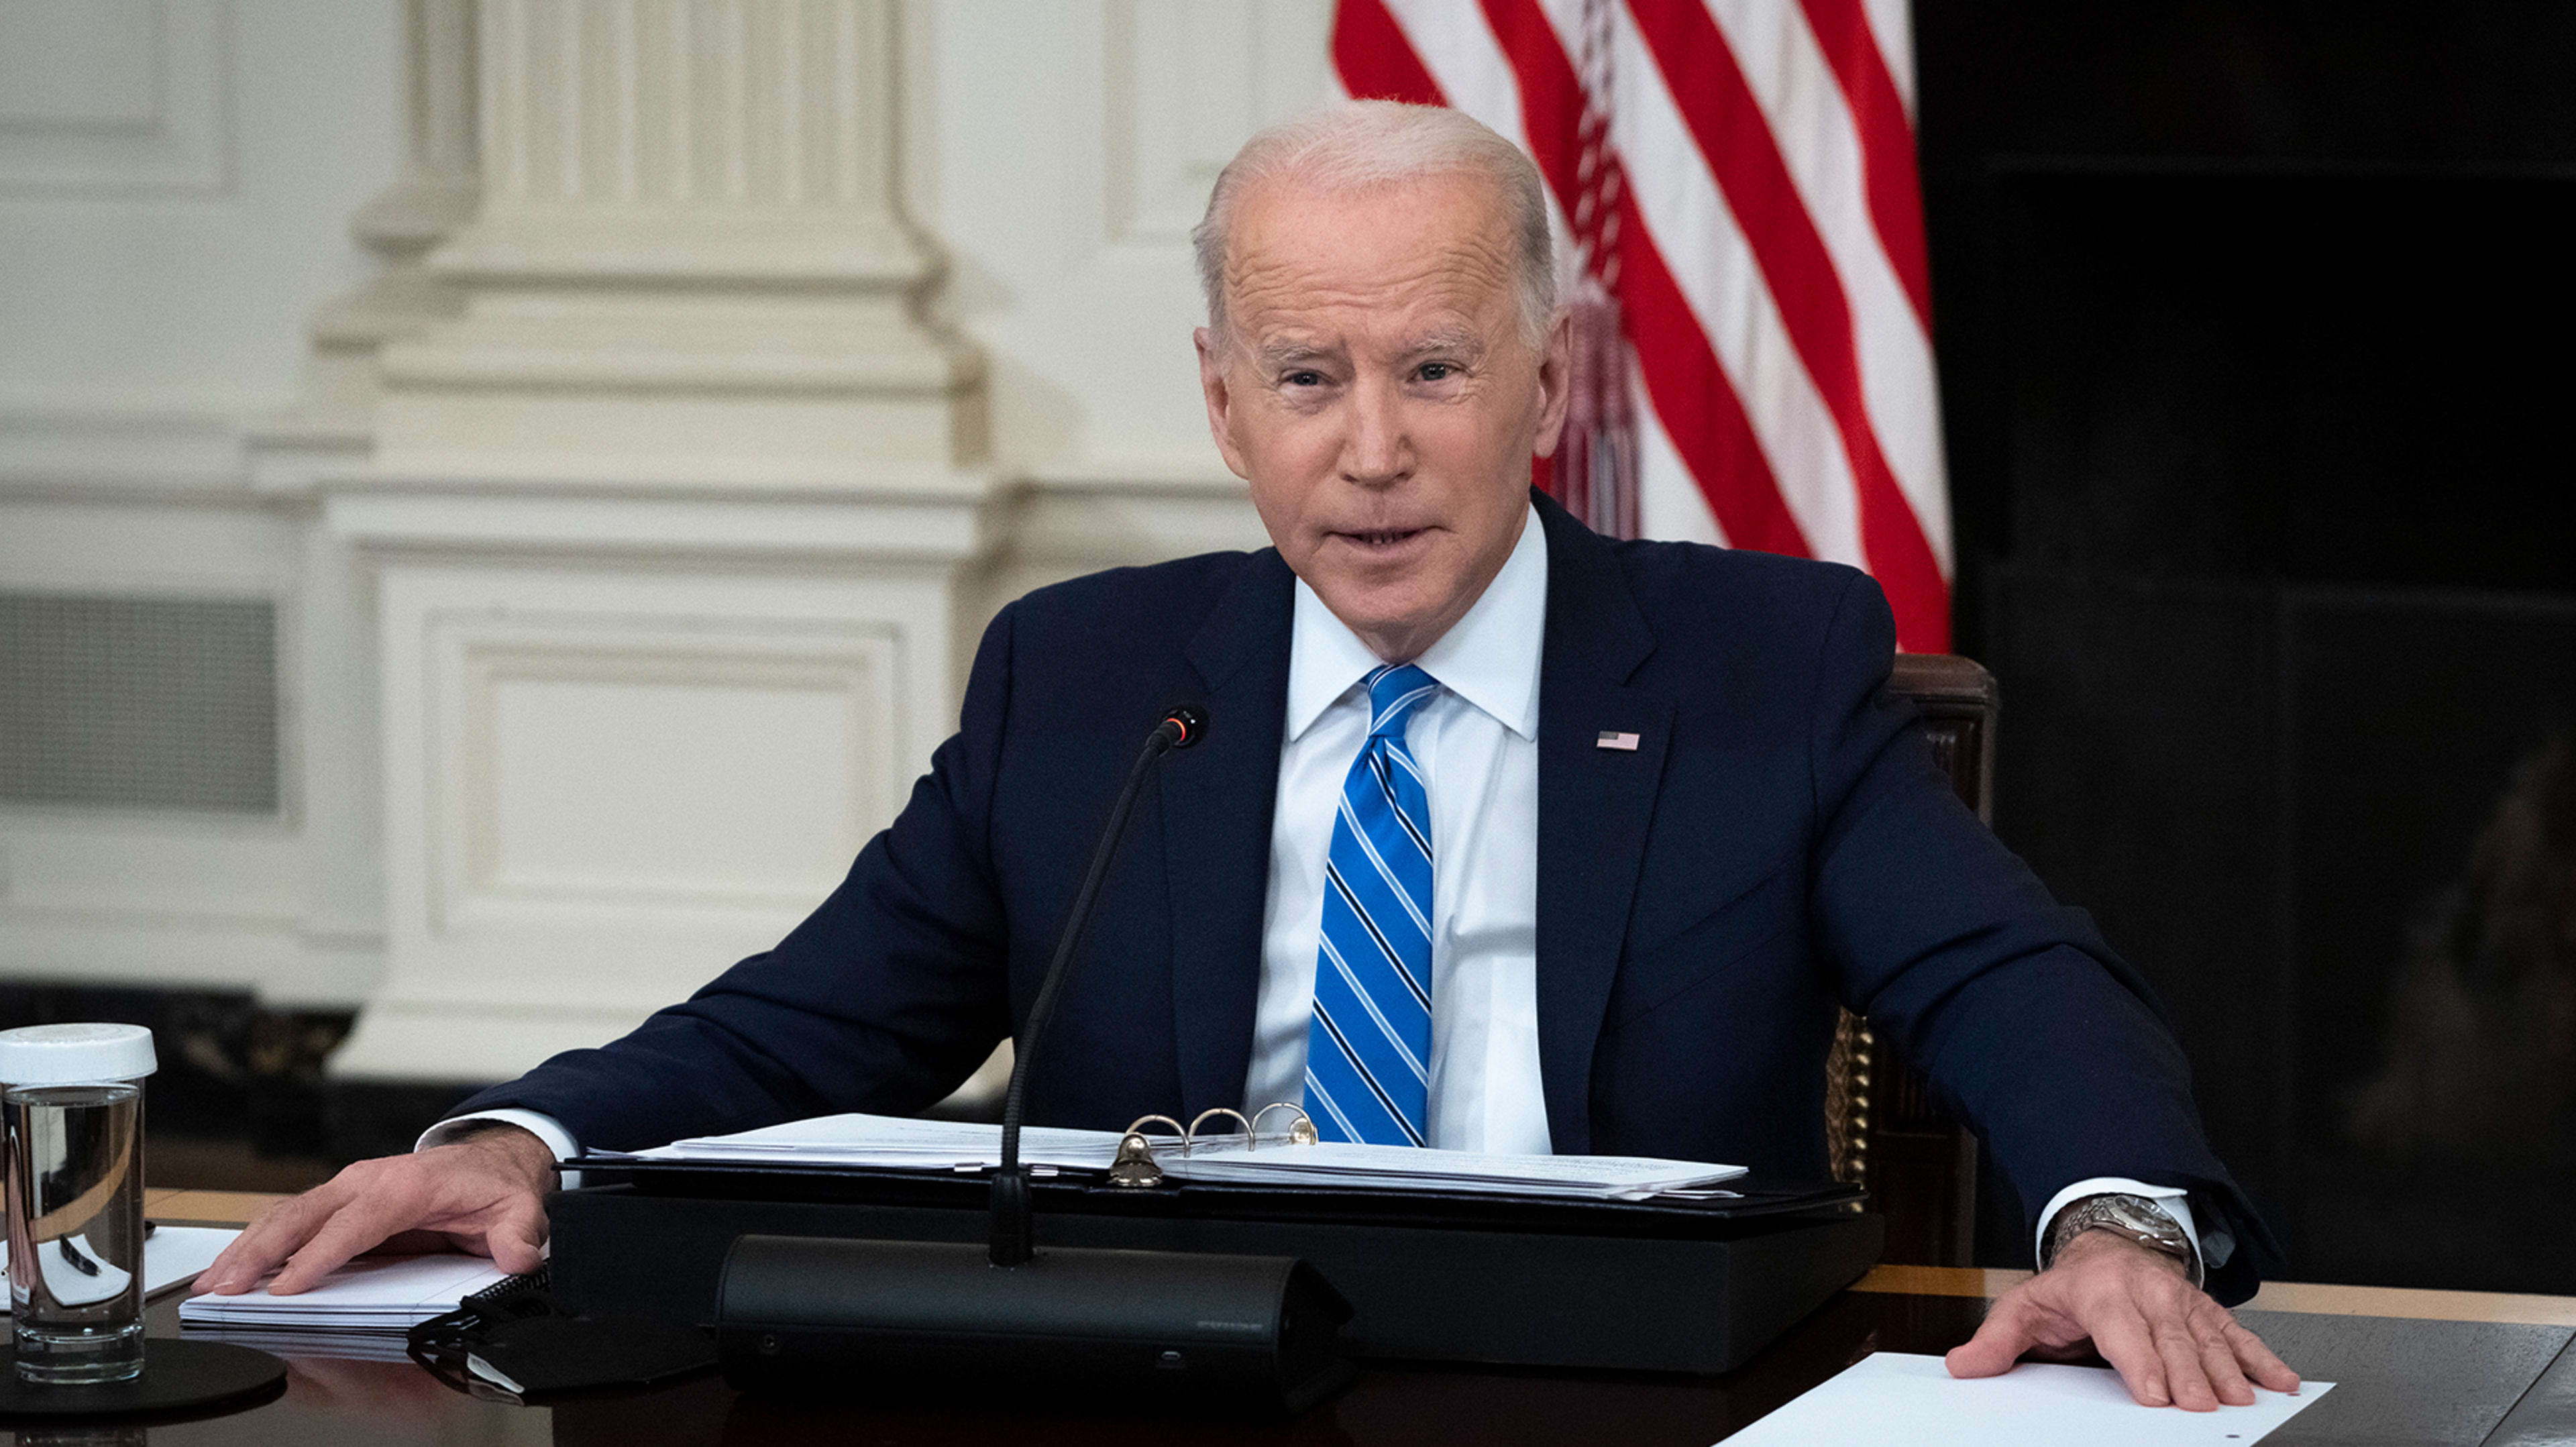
1220 399
1555 384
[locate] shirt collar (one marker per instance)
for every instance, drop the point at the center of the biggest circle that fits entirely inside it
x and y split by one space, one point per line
1490 657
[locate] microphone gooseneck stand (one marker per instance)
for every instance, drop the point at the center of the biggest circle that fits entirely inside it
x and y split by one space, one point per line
1013 1229
1183 1330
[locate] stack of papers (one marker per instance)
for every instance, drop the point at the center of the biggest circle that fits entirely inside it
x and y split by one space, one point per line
345 1346
931 1145
383 1295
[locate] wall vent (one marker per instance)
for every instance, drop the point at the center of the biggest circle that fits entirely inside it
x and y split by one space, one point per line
152 703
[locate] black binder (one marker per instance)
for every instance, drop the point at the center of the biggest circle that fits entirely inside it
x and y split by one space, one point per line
1659 1285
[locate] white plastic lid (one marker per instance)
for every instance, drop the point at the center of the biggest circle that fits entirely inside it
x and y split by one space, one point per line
71 1054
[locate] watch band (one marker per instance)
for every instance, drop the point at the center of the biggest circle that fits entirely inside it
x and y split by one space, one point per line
2138 1218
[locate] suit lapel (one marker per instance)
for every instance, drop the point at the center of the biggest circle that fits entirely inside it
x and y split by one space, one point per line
1594 804
1216 807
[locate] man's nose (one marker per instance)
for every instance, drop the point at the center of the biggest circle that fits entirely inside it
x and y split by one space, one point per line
1376 452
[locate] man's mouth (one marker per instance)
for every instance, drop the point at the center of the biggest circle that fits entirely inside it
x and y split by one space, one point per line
1381 537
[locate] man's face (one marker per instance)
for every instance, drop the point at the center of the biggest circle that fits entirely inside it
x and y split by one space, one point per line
1376 391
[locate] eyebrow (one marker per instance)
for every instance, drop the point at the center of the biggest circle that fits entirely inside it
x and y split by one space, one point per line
1447 340
1288 351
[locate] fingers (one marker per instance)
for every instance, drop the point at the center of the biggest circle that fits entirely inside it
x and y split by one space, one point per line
2257 1360
354 1228
2186 1378
2170 1343
485 1194
2129 1345
2218 1365
516 1243
270 1239
1999 1342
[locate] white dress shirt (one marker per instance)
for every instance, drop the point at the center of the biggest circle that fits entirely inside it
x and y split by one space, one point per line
1477 743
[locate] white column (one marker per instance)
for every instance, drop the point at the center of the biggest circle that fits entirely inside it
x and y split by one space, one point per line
667 522
327 440
688 268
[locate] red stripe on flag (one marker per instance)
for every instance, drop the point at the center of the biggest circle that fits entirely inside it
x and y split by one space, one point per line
1689 390
1695 401
1376 61
1551 98
1709 89
1888 172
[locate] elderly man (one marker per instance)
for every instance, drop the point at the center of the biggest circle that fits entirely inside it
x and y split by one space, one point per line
1503 837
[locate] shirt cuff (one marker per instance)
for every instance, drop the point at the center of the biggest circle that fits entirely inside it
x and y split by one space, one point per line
544 1127
2168 1199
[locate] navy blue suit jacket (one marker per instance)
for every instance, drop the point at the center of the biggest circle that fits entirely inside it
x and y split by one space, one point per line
1779 841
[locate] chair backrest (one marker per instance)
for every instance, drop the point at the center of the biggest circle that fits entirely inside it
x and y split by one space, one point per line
1882 1127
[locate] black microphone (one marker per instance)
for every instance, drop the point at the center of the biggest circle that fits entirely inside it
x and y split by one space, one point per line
1013 1233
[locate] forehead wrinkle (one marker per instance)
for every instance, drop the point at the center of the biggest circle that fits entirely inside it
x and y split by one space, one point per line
1284 322
1468 270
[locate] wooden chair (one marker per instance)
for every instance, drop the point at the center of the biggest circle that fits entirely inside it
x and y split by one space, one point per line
1882 1128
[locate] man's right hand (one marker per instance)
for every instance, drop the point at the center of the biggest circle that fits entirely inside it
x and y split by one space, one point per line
485 1194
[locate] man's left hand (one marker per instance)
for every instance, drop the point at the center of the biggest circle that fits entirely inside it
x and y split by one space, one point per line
2136 1306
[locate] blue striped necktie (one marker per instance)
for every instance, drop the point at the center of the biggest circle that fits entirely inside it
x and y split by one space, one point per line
1368 1052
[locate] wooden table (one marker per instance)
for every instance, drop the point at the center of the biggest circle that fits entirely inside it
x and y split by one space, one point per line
2433 1367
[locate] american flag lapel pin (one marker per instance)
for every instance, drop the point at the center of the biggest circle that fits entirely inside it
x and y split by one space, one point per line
1611 739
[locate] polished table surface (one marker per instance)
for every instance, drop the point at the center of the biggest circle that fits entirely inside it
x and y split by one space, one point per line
2413 1367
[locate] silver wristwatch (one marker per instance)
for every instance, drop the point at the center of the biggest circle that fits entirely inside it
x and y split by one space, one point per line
2137 1217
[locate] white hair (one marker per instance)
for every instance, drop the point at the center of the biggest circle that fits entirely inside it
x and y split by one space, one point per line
1361 144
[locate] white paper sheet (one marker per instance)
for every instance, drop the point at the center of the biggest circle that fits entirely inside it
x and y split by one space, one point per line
1897 1397
372 1293
171 1255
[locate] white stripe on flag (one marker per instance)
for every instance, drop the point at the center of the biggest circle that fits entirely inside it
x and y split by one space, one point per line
1812 124
1713 265
1669 502
1459 49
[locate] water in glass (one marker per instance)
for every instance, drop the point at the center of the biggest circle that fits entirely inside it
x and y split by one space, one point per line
75 1189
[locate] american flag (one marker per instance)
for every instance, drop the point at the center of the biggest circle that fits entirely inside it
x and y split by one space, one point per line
1736 184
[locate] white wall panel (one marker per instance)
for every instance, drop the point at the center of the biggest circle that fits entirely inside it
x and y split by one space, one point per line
634 768
1071 145
170 262
114 96
606 782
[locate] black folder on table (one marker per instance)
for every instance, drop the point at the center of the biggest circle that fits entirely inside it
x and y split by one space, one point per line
1661 1285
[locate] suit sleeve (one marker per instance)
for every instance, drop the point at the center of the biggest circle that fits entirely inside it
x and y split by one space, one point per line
2049 1045
883 1000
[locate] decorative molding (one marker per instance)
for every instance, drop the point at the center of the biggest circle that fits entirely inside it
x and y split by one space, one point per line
812 695
736 767
688 256
632 526
744 104
55 448
94 116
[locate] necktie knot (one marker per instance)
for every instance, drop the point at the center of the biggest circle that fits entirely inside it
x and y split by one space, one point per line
1395 691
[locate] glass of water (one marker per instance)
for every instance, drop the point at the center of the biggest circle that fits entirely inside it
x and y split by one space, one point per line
74 1107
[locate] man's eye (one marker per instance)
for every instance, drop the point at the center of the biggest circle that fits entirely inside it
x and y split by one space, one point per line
1305 379
1438 371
